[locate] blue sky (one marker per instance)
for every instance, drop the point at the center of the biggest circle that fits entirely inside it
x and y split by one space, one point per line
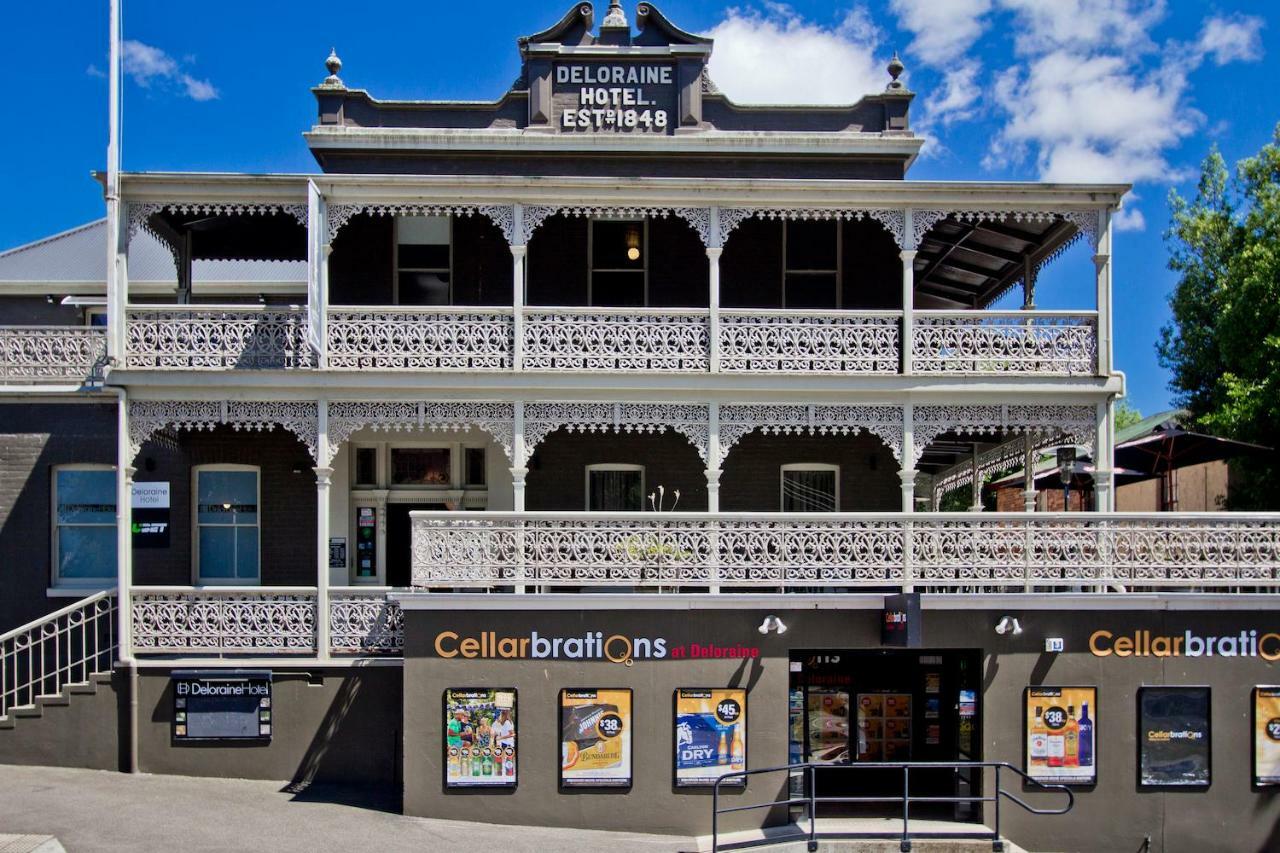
1107 90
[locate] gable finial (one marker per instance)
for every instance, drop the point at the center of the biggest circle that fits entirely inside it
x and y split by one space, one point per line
895 69
334 64
615 17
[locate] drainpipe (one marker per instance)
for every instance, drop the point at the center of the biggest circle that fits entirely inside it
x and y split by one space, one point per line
126 664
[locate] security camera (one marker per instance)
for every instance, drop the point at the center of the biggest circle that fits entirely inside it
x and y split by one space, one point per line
1008 625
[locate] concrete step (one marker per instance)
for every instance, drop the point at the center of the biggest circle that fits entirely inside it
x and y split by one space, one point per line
30 844
6 722
81 687
49 699
771 839
26 711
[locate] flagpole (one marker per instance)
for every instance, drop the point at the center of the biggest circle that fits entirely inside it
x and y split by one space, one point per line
115 305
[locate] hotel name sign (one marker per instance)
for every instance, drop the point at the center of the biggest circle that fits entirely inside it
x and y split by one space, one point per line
615 98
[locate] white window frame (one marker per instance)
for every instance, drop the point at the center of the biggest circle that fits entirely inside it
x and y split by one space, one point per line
195 523
75 583
806 466
454 449
839 270
643 222
609 466
395 248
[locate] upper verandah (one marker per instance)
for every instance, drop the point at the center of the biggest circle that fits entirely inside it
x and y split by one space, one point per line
616 103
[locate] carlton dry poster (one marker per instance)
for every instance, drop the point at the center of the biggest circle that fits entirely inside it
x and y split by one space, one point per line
1173 737
595 738
711 735
1266 735
1060 744
480 737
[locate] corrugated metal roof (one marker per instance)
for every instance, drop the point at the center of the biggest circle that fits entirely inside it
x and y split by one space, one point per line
80 255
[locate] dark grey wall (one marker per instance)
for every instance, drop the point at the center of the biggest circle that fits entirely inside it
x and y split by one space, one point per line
34 437
1113 817
38 311
83 733
557 473
287 522
337 724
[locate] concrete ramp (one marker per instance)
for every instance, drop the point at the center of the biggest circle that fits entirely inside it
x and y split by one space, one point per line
855 832
30 844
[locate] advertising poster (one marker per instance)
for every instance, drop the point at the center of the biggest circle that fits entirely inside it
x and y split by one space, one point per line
1266 735
595 738
1060 743
1173 737
828 725
480 737
884 727
711 735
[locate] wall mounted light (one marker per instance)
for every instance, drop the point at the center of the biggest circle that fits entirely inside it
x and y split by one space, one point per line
1008 625
633 243
772 623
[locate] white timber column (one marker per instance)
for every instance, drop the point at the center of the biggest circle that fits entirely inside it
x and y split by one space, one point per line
519 256
519 471
1102 266
1028 473
324 479
318 249
908 256
714 251
124 531
1104 498
1028 284
713 491
907 472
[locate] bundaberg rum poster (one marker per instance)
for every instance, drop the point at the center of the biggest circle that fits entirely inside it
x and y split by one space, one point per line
595 738
711 735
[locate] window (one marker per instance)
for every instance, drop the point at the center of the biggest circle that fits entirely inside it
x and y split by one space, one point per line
812 275
475 467
366 466
421 466
227 520
84 536
96 317
810 488
423 260
619 263
615 488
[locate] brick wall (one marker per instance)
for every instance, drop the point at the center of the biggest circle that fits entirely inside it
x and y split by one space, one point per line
287 520
33 439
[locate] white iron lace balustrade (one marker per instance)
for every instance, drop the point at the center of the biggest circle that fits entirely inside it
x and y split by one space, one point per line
31 354
218 337
620 339
365 623
809 342
944 551
445 338
234 621
1045 343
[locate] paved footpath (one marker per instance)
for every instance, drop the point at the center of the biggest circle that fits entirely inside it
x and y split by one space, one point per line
91 810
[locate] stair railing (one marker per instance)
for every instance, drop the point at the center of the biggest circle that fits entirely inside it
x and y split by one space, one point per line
68 646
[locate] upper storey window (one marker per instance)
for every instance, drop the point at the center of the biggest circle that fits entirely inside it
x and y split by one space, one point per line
811 278
424 260
619 263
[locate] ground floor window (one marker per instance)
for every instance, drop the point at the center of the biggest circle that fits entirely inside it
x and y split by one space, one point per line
615 488
227 520
84 537
810 488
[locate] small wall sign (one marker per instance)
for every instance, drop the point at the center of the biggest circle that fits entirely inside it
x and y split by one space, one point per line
229 704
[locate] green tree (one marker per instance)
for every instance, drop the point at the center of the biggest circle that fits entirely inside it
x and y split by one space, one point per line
1223 345
1126 415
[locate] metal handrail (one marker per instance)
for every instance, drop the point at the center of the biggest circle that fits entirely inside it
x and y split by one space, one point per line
811 801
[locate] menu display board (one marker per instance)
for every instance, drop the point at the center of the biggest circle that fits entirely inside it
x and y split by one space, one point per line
230 704
711 735
884 727
480 737
1266 736
828 709
1060 746
595 738
1174 737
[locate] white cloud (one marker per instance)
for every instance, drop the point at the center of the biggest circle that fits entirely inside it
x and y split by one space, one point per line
1238 38
1048 25
147 65
1129 218
776 56
943 30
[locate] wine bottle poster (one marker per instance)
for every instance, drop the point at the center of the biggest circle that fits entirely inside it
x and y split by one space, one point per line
480 737
1174 737
710 735
1266 736
1060 725
595 738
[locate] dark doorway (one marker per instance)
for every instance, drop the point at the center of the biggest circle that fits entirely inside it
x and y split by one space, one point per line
399 544
851 707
